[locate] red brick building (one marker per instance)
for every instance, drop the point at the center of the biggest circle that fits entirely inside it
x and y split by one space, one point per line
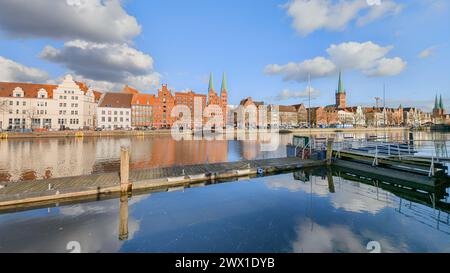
155 111
216 99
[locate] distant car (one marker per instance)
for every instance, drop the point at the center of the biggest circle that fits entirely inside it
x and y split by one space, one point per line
98 129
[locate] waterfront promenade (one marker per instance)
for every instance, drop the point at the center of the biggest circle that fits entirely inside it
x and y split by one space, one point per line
124 133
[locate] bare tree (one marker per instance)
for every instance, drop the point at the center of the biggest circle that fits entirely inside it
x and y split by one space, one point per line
31 114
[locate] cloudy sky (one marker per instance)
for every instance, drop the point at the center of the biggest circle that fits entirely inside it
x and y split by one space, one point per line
267 47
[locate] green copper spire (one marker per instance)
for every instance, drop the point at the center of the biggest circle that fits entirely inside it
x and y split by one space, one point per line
441 104
211 83
436 103
224 87
341 89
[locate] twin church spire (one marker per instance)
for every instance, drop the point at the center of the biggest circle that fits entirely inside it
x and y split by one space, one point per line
438 104
223 88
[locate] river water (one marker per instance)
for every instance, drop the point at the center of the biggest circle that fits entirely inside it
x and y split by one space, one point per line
30 159
319 210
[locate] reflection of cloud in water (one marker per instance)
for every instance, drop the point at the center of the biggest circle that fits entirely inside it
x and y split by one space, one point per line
314 238
286 182
347 195
94 225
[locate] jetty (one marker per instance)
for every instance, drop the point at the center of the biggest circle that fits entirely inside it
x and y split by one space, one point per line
23 193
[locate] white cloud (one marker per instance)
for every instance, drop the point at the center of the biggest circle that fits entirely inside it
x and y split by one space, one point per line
309 16
368 57
315 238
92 20
318 67
428 51
387 67
11 71
354 55
287 94
385 8
105 65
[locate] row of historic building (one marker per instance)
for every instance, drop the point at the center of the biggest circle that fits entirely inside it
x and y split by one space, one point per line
73 105
339 114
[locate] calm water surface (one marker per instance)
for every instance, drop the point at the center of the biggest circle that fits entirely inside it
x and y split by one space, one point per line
315 211
57 157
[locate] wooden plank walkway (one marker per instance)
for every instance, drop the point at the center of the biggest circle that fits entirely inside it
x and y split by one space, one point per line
23 192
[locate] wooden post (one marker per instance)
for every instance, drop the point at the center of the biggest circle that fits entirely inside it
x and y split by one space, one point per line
329 150
330 181
124 169
123 217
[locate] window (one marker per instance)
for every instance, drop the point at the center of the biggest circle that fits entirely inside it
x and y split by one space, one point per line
103 112
109 119
103 119
11 102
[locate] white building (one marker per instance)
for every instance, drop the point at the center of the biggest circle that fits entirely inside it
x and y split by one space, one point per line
114 111
70 105
360 118
346 117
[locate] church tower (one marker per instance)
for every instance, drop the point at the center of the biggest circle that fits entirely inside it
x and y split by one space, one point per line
438 110
224 98
340 94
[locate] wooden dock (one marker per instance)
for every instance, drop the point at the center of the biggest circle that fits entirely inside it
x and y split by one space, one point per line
14 194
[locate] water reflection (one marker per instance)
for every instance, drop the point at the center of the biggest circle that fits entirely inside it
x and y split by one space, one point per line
319 210
56 157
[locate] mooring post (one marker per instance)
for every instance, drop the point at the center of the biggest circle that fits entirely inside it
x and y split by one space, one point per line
329 150
123 217
124 169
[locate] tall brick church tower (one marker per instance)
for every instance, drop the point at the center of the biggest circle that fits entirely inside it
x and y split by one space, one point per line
340 94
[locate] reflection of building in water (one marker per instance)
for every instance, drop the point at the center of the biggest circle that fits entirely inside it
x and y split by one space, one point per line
45 158
360 194
160 151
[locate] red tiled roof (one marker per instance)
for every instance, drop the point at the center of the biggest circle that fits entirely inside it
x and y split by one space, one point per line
130 90
30 89
284 108
116 100
143 99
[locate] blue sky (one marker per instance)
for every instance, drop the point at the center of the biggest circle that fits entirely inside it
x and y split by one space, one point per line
180 42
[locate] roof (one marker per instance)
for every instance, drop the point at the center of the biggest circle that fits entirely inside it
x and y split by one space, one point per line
298 106
143 99
341 89
82 86
116 100
211 83
130 90
30 89
97 95
224 87
285 108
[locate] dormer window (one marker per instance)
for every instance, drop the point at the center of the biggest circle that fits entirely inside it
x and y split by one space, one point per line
18 92
42 94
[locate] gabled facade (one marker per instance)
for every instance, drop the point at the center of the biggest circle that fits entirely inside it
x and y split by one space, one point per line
69 105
